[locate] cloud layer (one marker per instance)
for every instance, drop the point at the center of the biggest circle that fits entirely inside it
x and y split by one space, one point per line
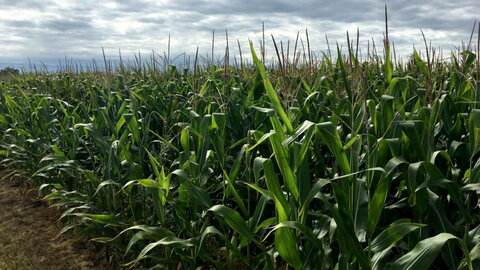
54 29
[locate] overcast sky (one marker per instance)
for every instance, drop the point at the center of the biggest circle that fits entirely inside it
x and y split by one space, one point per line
49 30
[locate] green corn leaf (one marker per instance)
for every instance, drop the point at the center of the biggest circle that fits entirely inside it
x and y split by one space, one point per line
388 66
474 132
261 140
105 183
236 195
195 192
425 252
236 222
331 138
305 230
273 185
472 187
233 219
305 126
392 234
102 219
272 95
343 73
170 241
144 233
284 166
377 204
143 182
420 64
286 244
212 230
348 240
469 61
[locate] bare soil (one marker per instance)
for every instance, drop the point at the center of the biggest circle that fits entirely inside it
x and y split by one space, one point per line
28 235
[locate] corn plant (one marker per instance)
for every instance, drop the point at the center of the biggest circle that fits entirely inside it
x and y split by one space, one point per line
312 163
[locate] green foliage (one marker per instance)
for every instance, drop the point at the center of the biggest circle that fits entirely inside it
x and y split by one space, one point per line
336 165
9 71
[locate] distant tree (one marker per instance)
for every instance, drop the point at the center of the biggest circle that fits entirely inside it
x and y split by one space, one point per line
9 70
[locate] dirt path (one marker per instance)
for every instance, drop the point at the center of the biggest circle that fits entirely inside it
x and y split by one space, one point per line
28 235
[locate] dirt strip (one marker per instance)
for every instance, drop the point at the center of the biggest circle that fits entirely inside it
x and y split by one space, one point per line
28 235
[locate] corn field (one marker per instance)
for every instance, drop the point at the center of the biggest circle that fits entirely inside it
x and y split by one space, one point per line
311 163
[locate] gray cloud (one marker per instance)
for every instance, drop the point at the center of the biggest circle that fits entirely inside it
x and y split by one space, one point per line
51 29
65 24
